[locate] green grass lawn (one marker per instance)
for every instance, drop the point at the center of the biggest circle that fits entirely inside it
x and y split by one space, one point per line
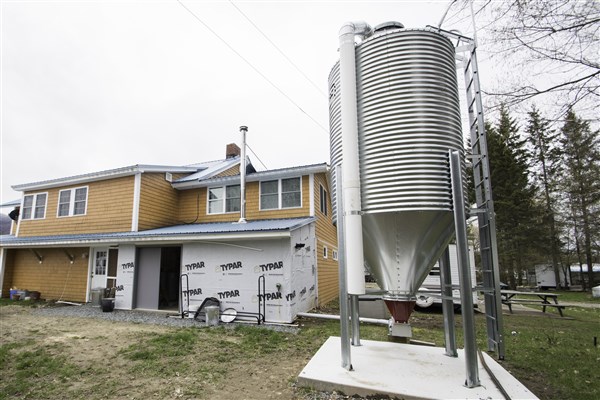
577 297
554 357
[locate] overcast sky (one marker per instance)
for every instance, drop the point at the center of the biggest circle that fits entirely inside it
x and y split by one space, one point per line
95 85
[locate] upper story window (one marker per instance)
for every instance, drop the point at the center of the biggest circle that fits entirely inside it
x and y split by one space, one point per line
224 199
72 202
34 206
281 193
323 199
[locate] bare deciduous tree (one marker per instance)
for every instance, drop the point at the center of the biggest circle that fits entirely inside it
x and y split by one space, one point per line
557 38
548 48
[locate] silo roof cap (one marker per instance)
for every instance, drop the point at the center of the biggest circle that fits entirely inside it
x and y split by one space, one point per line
388 25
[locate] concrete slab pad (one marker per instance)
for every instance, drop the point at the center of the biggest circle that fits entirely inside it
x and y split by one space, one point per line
404 371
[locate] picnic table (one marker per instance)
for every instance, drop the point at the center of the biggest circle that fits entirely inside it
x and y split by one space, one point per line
544 299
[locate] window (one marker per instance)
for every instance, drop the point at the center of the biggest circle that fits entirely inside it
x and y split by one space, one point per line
72 202
100 265
325 252
334 255
282 193
34 206
323 199
290 193
224 199
269 195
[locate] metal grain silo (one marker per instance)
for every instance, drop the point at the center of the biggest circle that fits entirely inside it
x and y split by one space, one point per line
408 119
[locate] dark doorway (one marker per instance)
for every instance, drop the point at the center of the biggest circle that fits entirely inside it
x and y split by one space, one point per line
170 269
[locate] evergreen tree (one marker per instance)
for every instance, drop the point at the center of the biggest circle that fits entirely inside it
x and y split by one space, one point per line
581 147
513 198
545 165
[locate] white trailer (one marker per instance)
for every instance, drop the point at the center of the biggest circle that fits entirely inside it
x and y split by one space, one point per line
545 279
432 281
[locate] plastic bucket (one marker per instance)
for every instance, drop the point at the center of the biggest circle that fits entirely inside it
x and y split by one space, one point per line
96 296
212 315
108 305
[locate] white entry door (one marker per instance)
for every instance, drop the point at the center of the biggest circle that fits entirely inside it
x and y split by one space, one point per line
100 268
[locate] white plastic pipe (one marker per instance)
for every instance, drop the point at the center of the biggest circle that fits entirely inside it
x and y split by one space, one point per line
337 318
243 130
350 166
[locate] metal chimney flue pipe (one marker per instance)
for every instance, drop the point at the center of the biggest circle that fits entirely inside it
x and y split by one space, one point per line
243 131
350 163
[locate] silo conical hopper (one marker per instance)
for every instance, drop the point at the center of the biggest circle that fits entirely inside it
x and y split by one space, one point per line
408 118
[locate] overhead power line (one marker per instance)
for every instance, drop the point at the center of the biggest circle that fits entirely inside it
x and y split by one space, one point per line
279 50
252 66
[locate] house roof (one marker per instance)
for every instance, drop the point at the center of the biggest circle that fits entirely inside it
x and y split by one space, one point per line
107 174
197 175
209 169
197 172
259 229
12 203
251 177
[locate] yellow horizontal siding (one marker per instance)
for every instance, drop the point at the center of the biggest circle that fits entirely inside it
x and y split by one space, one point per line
158 202
109 209
235 170
8 272
326 232
55 278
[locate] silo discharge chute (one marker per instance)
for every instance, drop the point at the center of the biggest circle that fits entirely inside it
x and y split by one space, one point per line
407 120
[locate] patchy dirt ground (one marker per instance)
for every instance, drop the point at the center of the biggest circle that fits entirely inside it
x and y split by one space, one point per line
103 370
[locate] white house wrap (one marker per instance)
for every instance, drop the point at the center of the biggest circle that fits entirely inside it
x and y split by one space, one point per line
229 272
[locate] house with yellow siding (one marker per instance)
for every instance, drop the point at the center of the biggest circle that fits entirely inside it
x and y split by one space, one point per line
169 237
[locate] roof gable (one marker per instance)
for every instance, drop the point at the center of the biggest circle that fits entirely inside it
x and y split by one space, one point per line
209 169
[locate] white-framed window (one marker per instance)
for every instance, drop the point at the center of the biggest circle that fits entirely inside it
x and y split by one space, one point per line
325 252
34 206
281 193
334 254
224 199
100 264
72 202
323 199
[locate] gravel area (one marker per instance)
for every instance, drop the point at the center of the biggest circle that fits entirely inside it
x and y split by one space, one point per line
145 317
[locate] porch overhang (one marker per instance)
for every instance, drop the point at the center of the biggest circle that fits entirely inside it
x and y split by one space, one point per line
212 232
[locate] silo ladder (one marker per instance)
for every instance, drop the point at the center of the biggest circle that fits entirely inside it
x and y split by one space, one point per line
466 56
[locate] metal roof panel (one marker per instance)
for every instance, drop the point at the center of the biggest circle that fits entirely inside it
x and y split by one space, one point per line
171 233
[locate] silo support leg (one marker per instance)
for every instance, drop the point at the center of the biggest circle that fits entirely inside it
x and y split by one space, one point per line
466 289
355 320
447 304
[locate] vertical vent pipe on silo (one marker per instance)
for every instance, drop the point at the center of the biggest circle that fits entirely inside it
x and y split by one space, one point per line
350 164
